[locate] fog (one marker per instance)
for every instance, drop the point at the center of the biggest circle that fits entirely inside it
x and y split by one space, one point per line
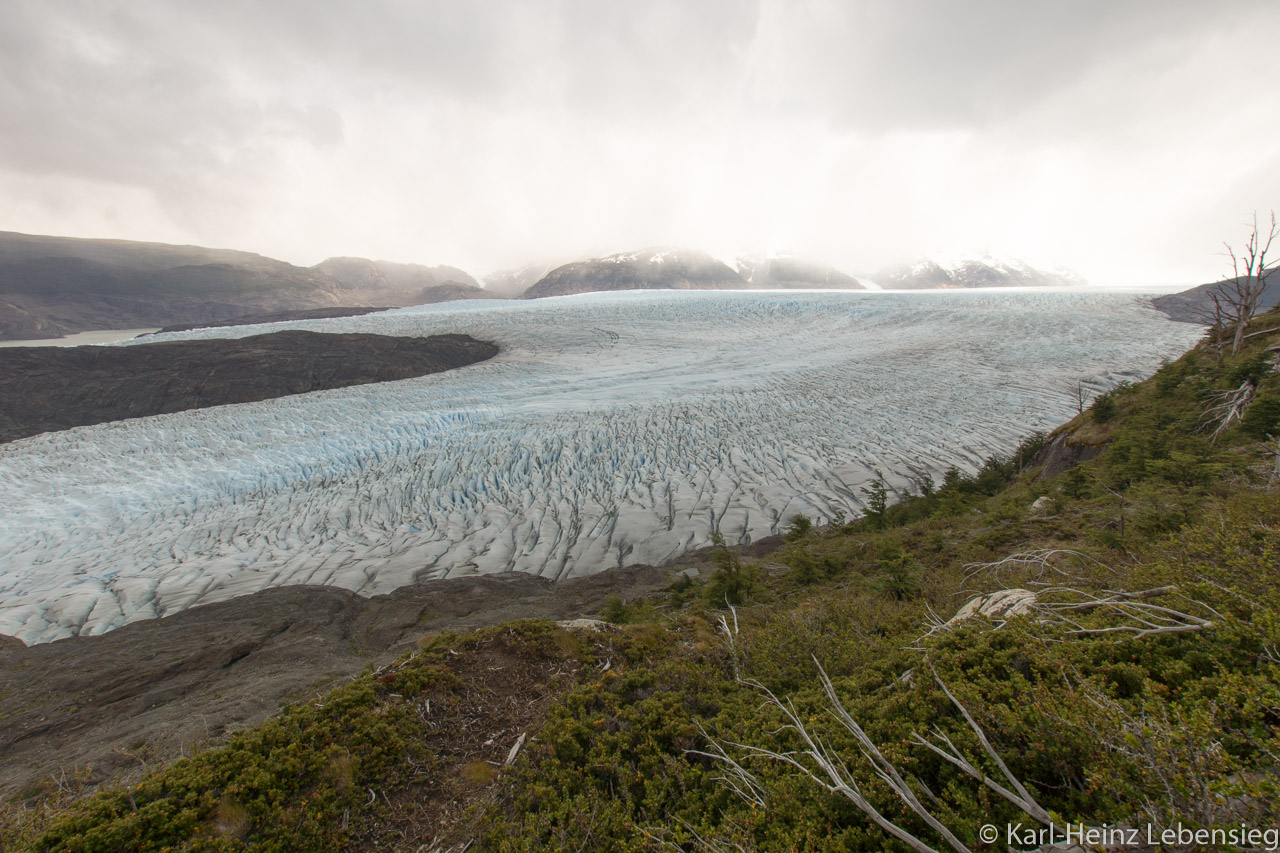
1124 140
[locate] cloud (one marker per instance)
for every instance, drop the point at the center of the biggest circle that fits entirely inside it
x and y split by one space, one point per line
1121 138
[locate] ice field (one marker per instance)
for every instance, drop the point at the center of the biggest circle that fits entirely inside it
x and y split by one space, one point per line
612 429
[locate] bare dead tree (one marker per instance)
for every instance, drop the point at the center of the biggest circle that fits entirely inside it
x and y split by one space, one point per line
1237 300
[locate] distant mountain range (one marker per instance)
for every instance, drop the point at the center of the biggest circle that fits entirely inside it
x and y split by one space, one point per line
974 271
54 286
648 269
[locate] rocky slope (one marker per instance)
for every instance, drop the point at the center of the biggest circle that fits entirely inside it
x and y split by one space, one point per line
54 388
145 692
53 286
979 271
648 269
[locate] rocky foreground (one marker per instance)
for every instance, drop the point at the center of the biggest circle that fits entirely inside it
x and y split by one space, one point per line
55 388
150 691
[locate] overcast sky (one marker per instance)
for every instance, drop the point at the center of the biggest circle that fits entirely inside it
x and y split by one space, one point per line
1124 139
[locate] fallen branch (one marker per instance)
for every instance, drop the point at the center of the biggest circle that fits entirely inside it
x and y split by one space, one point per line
1227 407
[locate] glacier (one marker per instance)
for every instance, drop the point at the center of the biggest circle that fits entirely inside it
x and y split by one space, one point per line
611 429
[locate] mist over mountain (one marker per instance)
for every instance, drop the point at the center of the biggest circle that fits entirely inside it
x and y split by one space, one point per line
54 286
647 269
785 271
975 271
514 282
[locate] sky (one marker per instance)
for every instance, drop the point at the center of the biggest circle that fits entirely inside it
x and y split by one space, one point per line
1125 140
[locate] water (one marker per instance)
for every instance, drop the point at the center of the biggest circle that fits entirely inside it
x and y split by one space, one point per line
98 336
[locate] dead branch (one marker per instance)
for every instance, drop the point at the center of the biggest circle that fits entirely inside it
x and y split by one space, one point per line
1019 796
1043 561
828 769
1137 616
1226 408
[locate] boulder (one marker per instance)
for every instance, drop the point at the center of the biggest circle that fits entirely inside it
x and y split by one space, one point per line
1002 604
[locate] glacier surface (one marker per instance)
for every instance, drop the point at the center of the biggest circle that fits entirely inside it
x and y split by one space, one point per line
612 429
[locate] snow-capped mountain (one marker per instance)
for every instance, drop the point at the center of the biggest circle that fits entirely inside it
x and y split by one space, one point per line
784 271
648 269
984 270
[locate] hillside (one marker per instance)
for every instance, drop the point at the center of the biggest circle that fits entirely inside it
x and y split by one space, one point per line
1196 304
648 269
1096 646
53 286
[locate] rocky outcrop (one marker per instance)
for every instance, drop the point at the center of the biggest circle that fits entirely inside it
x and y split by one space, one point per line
54 388
649 269
1063 451
1001 604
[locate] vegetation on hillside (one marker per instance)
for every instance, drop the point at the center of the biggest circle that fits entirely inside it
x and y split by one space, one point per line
1138 686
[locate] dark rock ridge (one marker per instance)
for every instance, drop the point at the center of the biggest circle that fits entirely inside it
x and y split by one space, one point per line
143 692
1196 305
54 286
54 388
986 271
648 269
794 273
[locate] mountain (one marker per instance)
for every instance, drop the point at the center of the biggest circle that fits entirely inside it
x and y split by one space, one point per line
973 271
53 286
1196 305
517 281
786 272
648 269
402 284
